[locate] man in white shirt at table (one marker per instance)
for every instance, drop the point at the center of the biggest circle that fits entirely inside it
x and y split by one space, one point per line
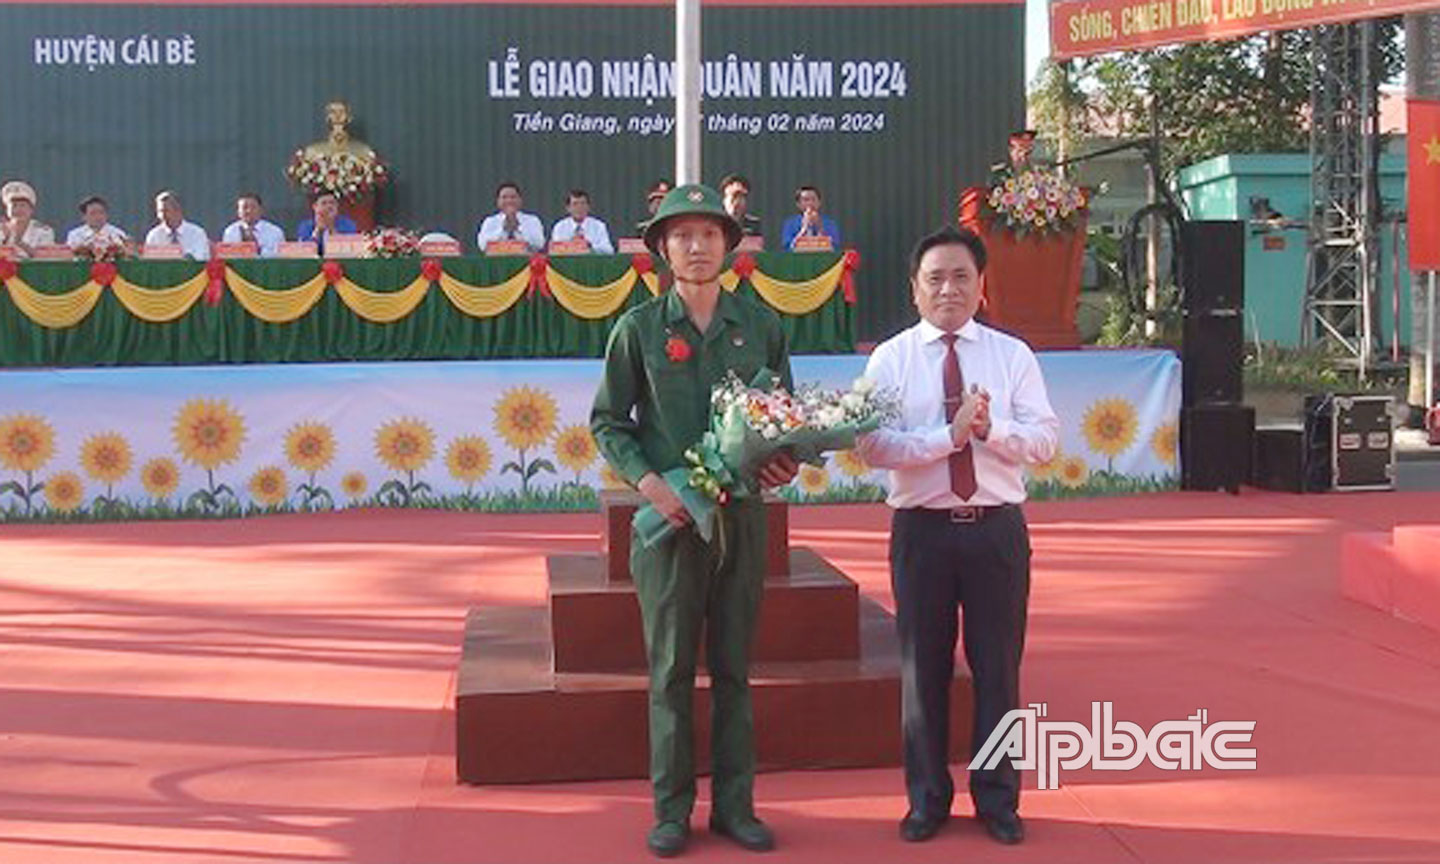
173 230
580 225
253 227
509 222
96 213
973 412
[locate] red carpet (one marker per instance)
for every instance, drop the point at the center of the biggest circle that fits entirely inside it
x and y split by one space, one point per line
278 690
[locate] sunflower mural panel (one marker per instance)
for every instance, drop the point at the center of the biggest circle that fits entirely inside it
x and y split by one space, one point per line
217 442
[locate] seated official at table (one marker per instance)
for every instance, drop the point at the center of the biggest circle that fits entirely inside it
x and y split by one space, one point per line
657 193
172 229
809 222
509 222
20 228
97 224
735 190
580 225
253 227
325 219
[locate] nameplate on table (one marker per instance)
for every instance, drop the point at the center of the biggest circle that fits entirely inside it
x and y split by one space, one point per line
162 252
9 253
53 252
570 247
631 246
440 248
298 249
819 243
751 243
507 247
237 250
346 246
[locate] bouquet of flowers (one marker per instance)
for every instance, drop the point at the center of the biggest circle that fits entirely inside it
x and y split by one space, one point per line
749 424
391 243
102 248
345 175
1037 200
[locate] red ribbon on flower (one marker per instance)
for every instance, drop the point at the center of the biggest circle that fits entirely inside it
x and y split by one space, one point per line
642 262
104 272
8 269
215 269
847 275
432 269
743 265
332 271
539 264
677 349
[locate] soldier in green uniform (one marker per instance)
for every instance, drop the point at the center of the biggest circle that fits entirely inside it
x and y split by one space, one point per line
663 358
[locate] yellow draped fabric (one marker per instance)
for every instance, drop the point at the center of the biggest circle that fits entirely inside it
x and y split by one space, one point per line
276 307
591 302
383 307
158 305
54 310
798 298
652 281
485 301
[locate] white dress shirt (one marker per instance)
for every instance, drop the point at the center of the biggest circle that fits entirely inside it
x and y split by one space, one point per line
530 230
593 231
192 239
916 449
36 234
268 236
82 235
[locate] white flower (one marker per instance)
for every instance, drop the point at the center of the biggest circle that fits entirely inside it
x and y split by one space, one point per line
852 402
863 385
771 432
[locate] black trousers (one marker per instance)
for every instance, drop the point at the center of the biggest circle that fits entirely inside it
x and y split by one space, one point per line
940 568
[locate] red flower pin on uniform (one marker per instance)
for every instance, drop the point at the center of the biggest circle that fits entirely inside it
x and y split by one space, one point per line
677 349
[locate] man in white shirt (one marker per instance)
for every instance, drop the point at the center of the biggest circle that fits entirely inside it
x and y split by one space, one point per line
96 214
974 411
580 225
19 228
252 227
509 222
173 230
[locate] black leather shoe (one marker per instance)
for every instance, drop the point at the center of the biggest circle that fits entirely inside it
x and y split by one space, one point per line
747 831
667 839
915 828
1004 827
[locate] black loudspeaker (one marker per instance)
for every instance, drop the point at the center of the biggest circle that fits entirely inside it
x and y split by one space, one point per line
1281 459
1216 446
1212 274
1211 367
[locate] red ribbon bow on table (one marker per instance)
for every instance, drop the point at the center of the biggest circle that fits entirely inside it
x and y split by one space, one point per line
432 269
539 264
215 269
332 271
677 349
847 275
642 262
104 272
743 265
8 269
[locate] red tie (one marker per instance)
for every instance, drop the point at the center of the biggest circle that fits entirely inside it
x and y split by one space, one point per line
962 462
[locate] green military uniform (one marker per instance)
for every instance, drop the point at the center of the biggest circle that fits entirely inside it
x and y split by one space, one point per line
650 407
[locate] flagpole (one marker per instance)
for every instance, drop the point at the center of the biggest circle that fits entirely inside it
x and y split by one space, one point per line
687 91
1430 342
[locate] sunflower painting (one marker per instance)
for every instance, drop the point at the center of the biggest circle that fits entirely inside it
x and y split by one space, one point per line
1073 472
209 433
269 487
575 449
107 459
1164 441
1047 470
525 418
354 485
64 492
310 447
405 444
469 460
813 481
1109 428
160 477
851 464
26 443
610 478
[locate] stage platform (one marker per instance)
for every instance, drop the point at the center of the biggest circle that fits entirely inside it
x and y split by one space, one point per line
281 689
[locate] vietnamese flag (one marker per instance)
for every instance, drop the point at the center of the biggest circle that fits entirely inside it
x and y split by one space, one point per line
1423 182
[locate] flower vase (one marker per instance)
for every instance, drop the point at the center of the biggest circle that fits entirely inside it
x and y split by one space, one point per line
1032 282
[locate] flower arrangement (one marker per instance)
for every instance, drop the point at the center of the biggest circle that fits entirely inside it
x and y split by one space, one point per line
1037 201
344 175
391 243
749 424
102 247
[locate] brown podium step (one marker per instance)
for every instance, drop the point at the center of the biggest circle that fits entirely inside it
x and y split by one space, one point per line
617 508
517 721
810 613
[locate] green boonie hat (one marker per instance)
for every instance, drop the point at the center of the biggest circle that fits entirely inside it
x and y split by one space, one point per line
694 199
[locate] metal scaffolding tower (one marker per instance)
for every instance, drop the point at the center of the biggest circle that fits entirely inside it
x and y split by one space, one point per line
1343 262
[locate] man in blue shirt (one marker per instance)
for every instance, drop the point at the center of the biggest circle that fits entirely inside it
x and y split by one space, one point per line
809 222
326 220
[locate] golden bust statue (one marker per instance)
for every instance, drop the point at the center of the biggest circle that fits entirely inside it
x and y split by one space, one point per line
337 115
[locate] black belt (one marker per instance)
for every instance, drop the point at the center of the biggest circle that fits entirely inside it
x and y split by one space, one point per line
964 514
